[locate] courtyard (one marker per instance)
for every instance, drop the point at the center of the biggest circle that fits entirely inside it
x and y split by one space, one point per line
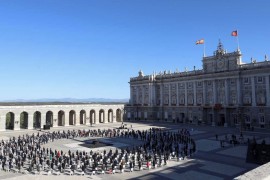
211 161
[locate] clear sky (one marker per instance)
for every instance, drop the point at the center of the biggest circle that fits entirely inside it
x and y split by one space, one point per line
90 48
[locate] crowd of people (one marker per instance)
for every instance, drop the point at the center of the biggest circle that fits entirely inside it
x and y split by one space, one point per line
27 154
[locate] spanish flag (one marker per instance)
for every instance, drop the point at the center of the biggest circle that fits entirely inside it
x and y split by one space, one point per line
235 33
201 41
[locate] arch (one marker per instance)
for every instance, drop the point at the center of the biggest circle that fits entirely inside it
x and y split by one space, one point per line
10 120
82 117
37 120
49 118
61 118
24 120
110 115
118 115
92 117
101 116
72 117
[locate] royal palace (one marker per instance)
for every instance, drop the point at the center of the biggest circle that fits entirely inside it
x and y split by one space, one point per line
226 92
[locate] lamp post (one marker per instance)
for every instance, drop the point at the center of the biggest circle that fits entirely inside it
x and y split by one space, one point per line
240 118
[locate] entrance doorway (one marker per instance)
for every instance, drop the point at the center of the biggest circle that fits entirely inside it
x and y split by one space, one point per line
221 120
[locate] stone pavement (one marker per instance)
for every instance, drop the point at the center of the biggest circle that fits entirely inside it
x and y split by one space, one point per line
211 161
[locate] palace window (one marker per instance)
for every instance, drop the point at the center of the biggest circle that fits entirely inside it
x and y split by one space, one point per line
246 80
182 100
173 100
190 99
235 119
262 120
181 85
259 79
247 118
199 100
199 84
261 99
247 100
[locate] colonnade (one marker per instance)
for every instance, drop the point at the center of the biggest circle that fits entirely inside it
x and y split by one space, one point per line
32 117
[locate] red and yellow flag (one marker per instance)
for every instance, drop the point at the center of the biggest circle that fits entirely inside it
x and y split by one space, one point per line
235 33
201 41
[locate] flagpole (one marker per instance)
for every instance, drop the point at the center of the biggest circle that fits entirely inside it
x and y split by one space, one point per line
204 49
238 47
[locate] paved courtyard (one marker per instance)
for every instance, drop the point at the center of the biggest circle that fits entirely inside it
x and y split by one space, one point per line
211 161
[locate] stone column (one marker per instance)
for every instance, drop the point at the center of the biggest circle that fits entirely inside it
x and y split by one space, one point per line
170 95
226 93
195 94
42 119
106 114
66 118
113 117
253 92
87 118
154 101
2 122
226 103
204 92
143 91
239 97
177 95
186 103
30 121
77 119
137 94
131 95
96 117
149 94
214 92
267 90
55 119
17 122
161 95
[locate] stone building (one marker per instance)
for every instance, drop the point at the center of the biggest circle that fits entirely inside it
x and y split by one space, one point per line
226 92
18 117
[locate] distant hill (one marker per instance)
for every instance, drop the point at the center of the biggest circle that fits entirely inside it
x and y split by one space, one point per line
64 101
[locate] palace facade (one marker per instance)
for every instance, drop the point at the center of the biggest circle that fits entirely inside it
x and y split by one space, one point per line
226 92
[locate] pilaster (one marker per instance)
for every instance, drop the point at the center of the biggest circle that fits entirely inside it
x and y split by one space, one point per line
204 92
77 119
17 122
42 120
267 90
215 92
239 97
30 121
66 123
106 117
55 119
170 95
253 92
2 122
161 95
131 95
186 84
195 93
177 95
226 93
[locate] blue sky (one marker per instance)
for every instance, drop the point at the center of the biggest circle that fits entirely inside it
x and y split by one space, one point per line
90 48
